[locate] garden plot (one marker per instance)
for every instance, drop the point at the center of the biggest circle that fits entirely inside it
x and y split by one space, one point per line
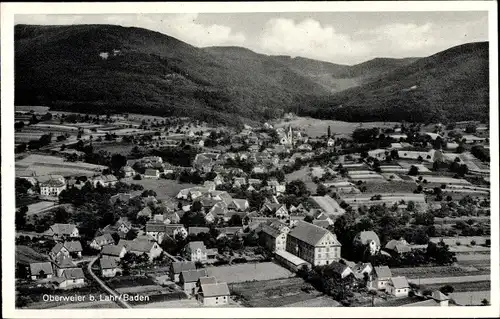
272 293
249 272
164 188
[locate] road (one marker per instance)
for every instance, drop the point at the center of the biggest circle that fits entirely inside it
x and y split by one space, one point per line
120 302
449 280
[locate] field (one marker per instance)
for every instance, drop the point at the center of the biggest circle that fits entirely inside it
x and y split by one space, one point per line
249 272
321 301
52 165
390 187
164 188
272 293
470 298
315 127
34 108
463 286
440 271
114 148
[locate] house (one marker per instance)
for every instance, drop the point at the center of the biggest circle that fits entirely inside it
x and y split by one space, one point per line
381 277
146 212
70 278
273 239
229 232
58 250
59 231
156 230
339 270
105 180
102 240
152 173
196 251
188 279
363 271
275 209
62 263
276 187
109 267
368 239
113 251
177 267
52 187
123 225
314 244
398 286
330 142
218 210
123 197
397 246
140 247
172 230
41 270
437 299
209 185
214 294
239 205
218 180
74 248
127 171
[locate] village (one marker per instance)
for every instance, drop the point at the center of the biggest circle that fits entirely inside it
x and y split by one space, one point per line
275 214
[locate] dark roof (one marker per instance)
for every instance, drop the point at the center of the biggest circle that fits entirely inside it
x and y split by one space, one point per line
214 290
198 230
155 227
36 268
73 246
193 275
271 231
73 273
383 272
112 250
336 268
179 266
108 263
310 233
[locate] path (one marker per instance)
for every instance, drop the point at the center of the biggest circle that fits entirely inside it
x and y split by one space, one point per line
120 302
449 280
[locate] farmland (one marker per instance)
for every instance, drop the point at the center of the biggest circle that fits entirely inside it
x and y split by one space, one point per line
470 298
272 293
441 271
249 272
114 148
52 165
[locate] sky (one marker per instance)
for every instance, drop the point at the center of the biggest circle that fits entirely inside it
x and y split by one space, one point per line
338 37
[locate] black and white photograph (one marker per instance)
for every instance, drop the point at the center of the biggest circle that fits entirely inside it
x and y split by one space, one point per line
200 158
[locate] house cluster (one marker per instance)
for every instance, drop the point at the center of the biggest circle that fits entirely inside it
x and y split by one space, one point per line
61 271
197 283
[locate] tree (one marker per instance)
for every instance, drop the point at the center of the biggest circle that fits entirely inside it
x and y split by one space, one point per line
21 148
235 220
131 234
485 302
329 132
117 162
61 215
413 171
137 177
297 188
20 220
321 190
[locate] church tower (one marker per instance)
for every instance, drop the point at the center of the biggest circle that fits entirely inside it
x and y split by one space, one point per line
290 135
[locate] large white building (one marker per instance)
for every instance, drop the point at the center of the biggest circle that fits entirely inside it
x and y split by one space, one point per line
314 244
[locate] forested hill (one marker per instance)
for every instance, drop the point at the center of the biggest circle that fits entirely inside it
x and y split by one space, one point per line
450 85
96 67
106 68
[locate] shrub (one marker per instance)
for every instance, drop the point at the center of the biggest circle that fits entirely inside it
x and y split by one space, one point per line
458 243
447 289
473 243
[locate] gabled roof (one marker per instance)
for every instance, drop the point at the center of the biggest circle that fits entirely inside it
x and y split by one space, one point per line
63 261
57 248
155 227
104 239
180 266
215 290
46 267
62 229
73 246
112 250
310 233
198 230
171 228
336 268
73 273
141 245
271 231
207 280
108 263
399 282
382 272
194 245
239 203
193 275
